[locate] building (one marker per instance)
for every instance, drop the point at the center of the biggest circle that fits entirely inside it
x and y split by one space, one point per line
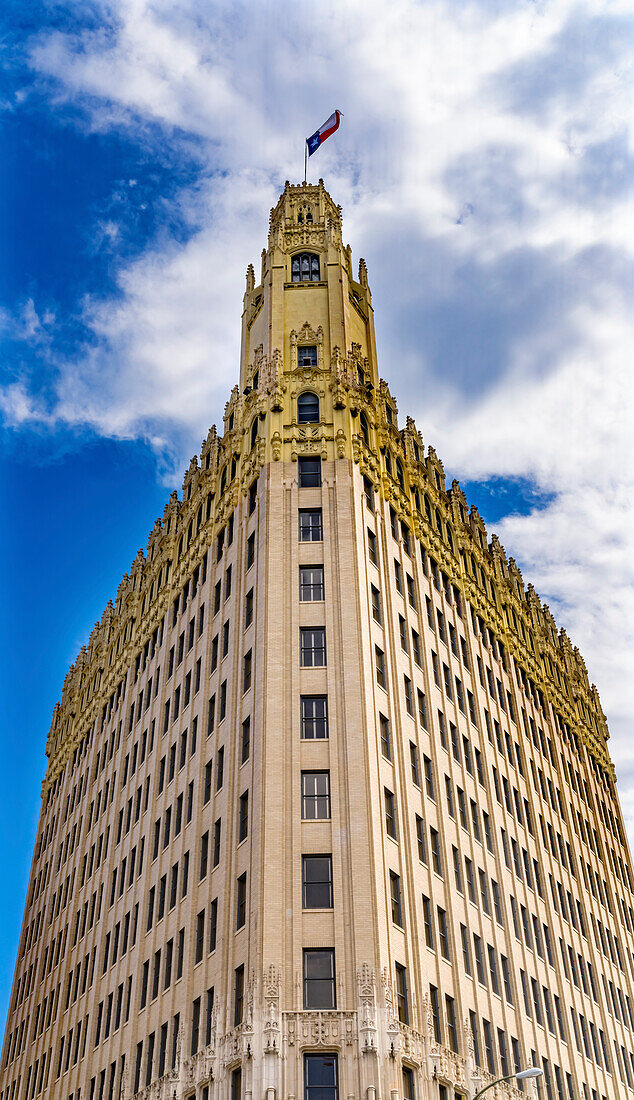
329 810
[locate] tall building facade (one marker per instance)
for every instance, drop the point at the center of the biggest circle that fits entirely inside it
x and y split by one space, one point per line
329 811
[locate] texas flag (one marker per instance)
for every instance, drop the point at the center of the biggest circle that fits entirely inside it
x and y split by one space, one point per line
320 135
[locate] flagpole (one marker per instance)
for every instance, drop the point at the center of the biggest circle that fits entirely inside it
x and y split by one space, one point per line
305 160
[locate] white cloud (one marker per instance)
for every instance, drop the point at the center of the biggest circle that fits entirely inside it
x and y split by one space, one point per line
491 110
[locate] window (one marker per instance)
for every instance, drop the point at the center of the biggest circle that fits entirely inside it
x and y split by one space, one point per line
247 671
243 816
312 646
241 901
390 813
238 995
408 1084
375 597
311 582
248 609
320 1077
236 1084
319 978
246 740
428 923
317 882
413 758
309 473
372 551
379 658
250 550
315 796
420 839
305 269
310 525
443 937
200 935
217 834
314 717
307 403
395 899
402 1006
386 741
434 843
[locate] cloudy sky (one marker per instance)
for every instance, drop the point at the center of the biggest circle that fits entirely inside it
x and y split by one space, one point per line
485 169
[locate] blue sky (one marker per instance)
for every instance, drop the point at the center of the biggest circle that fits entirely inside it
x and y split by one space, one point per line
485 169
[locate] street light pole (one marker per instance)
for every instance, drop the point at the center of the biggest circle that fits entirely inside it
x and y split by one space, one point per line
523 1075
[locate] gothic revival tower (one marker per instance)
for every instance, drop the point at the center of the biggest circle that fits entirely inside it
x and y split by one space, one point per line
329 811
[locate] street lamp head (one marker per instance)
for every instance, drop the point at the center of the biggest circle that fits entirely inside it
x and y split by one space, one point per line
524 1074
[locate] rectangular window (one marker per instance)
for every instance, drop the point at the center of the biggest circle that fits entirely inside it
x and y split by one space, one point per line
243 816
246 740
379 661
409 698
386 740
443 937
312 647
319 979
395 899
250 549
320 1077
213 924
390 813
402 1004
311 583
241 901
314 717
408 1084
248 609
309 473
315 796
375 598
310 525
247 671
317 882
238 995
428 926
420 839
434 841
204 854
200 936
372 551
217 833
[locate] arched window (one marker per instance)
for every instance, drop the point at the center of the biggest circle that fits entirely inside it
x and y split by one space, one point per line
439 523
254 432
399 475
223 480
305 268
307 408
234 467
363 424
388 462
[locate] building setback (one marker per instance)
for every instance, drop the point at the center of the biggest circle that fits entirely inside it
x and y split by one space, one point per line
329 810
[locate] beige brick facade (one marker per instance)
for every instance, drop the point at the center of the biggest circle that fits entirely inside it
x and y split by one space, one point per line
466 903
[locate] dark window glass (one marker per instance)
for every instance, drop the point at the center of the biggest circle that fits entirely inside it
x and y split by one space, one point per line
314 710
310 525
320 1077
315 796
307 403
317 882
305 268
309 472
311 582
319 978
312 646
